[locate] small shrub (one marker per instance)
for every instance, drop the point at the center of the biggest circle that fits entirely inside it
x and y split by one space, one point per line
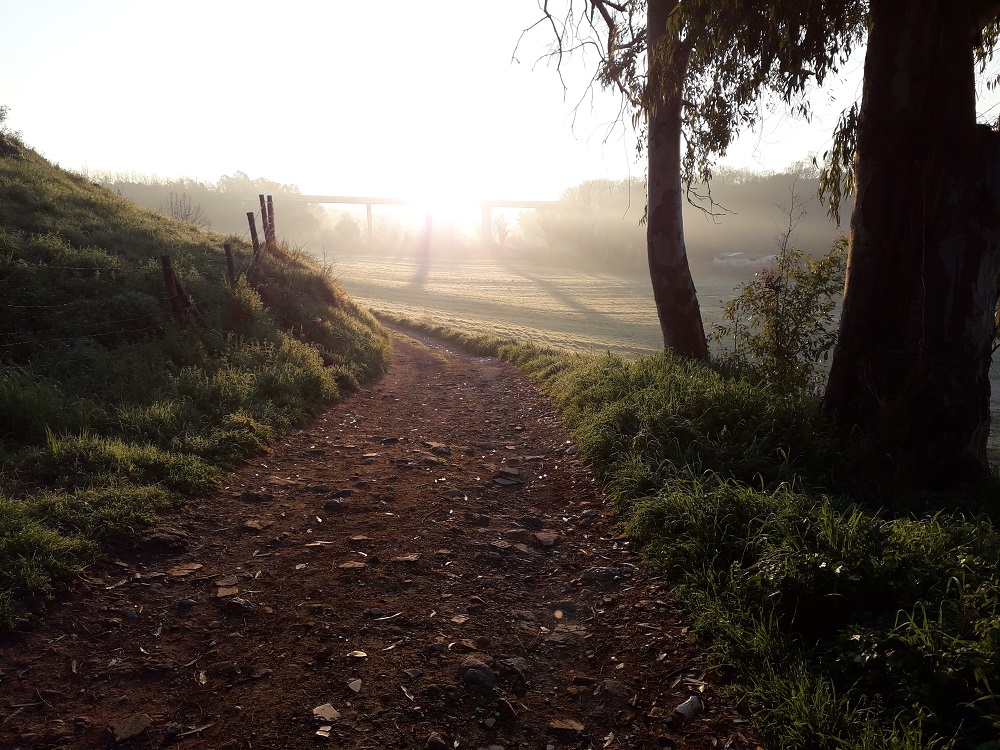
781 324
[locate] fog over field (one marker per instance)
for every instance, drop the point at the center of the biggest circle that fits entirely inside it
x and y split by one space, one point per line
578 264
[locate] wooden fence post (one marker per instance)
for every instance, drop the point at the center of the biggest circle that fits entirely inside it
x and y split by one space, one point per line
230 265
173 294
263 216
271 236
255 263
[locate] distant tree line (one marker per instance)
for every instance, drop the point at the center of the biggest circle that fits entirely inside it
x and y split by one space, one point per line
223 205
599 224
596 225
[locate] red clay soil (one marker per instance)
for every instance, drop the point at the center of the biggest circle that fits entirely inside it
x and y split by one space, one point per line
425 565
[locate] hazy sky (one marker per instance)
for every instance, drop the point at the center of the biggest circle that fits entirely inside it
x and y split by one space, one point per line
375 97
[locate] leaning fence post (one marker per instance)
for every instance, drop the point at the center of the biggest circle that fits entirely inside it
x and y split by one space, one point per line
187 302
173 294
230 265
253 235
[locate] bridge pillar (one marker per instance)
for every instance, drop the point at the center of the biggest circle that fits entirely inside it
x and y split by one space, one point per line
369 207
487 224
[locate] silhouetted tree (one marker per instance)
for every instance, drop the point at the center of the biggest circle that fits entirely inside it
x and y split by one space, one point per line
911 367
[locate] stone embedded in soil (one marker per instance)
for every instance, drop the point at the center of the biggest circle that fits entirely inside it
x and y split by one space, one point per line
690 708
565 727
257 524
257 497
352 565
132 726
355 685
185 570
334 505
436 742
602 575
326 712
547 538
237 606
531 522
438 449
168 539
519 535
477 677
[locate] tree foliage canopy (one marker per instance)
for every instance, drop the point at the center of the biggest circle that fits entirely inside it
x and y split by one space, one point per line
734 53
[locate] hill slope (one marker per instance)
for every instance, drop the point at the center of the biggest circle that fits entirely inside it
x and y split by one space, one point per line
110 406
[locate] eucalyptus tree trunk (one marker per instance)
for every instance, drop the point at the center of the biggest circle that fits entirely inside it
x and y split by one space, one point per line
911 368
673 288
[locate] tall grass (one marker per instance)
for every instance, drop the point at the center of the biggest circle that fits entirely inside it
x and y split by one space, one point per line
111 411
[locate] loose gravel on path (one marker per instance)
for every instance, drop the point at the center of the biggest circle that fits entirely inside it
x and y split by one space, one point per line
425 565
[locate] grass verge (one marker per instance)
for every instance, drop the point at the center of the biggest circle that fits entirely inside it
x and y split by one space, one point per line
845 615
110 409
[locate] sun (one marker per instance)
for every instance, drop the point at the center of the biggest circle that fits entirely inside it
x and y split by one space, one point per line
446 209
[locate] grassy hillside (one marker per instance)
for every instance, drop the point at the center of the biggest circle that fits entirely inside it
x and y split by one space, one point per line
110 409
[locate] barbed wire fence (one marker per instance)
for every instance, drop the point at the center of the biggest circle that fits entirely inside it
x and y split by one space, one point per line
181 304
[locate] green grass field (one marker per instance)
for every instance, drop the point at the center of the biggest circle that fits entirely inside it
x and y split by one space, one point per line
585 312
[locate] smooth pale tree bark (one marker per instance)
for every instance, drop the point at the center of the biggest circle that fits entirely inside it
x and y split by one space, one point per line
673 288
911 368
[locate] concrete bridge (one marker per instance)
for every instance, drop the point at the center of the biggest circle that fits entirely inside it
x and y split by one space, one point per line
487 206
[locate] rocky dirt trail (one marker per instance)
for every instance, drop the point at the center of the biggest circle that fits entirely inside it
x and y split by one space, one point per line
426 565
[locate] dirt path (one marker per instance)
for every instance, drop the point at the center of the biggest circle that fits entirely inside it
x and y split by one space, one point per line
424 566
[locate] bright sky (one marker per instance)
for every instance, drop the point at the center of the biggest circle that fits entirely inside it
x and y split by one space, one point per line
386 97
